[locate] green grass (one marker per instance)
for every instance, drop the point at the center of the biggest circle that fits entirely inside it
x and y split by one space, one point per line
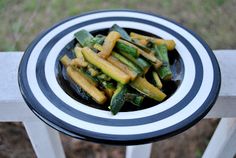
21 21
198 153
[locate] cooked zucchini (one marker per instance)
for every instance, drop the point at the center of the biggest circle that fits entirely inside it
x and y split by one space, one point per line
143 86
109 43
98 39
124 67
92 71
164 71
78 62
169 43
141 45
146 55
88 77
157 80
104 77
84 38
117 66
122 32
127 62
98 46
109 92
135 53
106 67
65 60
133 74
79 79
109 88
118 99
141 63
135 99
126 37
78 52
124 47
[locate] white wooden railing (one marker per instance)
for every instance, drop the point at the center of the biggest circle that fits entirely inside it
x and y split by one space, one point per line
46 141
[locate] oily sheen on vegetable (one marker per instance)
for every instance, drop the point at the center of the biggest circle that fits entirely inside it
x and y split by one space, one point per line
112 69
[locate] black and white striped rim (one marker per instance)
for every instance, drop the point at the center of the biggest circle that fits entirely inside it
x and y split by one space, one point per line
190 103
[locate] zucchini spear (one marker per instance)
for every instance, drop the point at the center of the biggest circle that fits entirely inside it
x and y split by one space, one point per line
135 99
133 74
65 60
126 37
146 55
143 86
127 62
106 67
124 47
88 77
122 32
78 52
109 44
149 56
132 50
169 43
140 62
164 71
118 99
157 80
84 38
79 79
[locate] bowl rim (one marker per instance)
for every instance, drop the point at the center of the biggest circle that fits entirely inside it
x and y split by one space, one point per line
199 116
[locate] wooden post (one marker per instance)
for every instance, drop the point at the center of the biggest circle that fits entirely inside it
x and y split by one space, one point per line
45 140
139 151
223 142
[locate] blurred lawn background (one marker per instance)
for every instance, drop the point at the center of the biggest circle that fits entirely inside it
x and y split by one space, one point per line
22 20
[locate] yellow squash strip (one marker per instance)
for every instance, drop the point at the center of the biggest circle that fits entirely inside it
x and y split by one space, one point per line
65 60
109 44
78 62
92 71
157 64
109 92
157 80
148 56
143 42
79 79
97 46
89 79
169 43
143 86
78 52
122 66
118 64
106 67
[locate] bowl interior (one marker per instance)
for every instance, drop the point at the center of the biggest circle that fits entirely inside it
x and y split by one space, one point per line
169 87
